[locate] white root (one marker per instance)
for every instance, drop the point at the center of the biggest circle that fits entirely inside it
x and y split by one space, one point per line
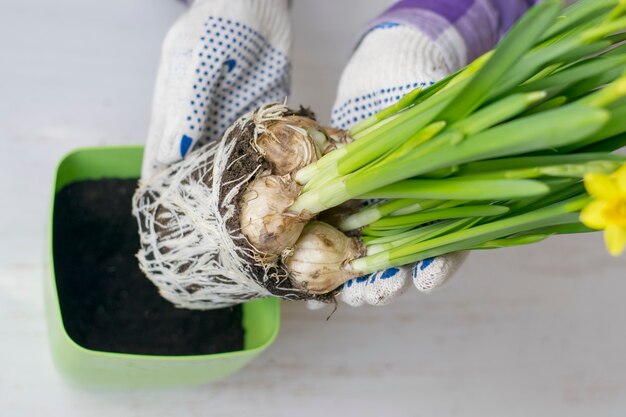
187 250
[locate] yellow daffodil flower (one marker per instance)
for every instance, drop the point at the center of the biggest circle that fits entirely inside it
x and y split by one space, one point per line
607 211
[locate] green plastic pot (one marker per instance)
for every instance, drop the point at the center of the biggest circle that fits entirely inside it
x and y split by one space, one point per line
261 318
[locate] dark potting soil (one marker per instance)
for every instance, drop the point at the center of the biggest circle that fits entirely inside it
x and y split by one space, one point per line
106 301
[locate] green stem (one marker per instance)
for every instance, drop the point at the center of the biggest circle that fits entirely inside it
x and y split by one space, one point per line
561 170
608 95
561 213
575 74
420 218
532 162
517 42
606 145
510 241
397 107
426 205
533 236
550 129
370 214
459 188
603 30
420 232
558 192
369 148
579 12
384 233
418 235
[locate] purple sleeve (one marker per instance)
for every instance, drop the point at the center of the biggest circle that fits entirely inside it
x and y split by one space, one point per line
478 23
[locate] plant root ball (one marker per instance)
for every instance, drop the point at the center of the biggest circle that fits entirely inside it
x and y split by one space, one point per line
190 219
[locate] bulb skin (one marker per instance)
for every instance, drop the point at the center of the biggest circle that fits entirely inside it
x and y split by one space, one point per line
318 262
265 221
290 144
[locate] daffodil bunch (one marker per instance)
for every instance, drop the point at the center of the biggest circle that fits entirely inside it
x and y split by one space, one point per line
607 210
496 155
514 148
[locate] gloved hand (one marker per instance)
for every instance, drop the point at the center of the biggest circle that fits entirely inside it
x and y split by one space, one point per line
221 59
412 44
224 58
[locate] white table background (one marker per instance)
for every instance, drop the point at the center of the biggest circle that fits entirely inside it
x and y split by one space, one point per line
532 331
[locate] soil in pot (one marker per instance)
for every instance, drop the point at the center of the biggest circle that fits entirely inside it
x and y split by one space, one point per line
106 302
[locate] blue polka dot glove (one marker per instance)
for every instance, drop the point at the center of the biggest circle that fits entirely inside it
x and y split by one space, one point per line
221 59
390 61
412 44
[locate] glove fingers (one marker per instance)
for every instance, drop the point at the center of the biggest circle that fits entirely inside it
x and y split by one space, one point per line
390 61
381 288
214 68
433 272
377 289
162 101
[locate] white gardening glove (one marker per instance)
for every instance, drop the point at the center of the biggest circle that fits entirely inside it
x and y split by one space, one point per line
413 44
221 59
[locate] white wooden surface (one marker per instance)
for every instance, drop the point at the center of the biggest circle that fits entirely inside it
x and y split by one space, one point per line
533 331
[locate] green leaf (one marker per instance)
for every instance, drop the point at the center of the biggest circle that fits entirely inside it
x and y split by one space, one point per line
417 219
461 189
518 41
